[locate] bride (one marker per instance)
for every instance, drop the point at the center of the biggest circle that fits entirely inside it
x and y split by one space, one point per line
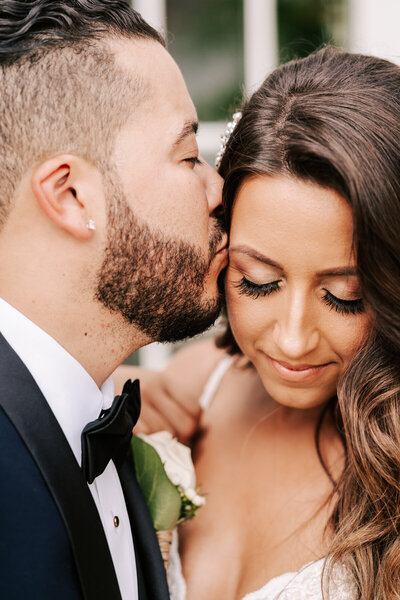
298 441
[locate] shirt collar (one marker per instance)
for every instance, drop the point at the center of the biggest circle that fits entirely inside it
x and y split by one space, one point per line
70 391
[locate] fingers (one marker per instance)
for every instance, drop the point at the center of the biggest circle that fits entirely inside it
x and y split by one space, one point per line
162 410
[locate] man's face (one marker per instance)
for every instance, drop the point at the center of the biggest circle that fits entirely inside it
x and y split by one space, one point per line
162 258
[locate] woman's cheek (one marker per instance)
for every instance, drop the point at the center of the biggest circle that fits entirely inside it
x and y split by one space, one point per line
243 320
235 310
354 336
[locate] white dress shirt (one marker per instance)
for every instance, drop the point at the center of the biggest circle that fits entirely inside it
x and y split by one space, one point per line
75 400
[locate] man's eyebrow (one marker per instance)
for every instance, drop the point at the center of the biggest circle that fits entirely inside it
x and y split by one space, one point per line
348 271
189 128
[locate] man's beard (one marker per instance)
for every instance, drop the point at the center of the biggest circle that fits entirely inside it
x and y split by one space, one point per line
155 282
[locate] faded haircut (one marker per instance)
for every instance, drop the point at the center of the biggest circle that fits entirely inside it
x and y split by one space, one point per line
61 89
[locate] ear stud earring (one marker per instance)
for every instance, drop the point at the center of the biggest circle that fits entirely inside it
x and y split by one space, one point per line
91 225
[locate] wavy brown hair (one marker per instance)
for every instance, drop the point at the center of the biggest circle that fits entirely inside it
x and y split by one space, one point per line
333 118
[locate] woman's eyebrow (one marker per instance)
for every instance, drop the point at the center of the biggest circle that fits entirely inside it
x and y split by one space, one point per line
347 271
256 255
339 272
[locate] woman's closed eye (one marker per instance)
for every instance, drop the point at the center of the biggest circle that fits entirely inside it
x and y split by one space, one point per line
340 305
346 307
255 290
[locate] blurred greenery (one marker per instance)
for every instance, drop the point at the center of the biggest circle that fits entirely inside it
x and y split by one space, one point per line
206 40
304 25
133 359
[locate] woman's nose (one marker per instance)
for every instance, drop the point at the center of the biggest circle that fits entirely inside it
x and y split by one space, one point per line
296 333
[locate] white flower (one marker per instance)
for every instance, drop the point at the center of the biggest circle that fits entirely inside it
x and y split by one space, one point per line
194 497
177 461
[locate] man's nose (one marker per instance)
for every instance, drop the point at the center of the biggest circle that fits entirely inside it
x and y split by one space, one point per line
212 184
296 333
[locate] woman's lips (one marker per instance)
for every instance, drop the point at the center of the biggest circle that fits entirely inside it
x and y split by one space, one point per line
297 373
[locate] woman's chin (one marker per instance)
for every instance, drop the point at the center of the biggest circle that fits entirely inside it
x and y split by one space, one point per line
295 396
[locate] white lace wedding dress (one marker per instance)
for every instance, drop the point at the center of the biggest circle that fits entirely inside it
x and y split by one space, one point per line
304 584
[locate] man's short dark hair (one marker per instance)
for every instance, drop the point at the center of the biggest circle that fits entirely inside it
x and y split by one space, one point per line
60 87
28 25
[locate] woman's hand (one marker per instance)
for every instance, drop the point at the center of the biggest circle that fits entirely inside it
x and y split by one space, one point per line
167 404
170 398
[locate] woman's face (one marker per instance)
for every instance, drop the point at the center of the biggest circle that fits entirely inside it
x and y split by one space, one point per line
294 301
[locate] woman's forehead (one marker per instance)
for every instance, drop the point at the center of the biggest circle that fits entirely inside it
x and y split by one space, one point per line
291 219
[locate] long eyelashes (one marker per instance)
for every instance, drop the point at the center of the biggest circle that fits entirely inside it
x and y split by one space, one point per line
345 307
248 288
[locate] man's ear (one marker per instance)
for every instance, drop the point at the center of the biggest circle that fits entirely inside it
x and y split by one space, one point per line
55 185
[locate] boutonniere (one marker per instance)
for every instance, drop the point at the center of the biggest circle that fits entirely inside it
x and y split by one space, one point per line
166 476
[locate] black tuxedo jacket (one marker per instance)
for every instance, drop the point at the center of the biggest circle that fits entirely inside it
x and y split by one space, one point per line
52 543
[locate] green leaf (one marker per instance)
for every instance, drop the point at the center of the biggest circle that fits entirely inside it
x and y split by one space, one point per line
162 496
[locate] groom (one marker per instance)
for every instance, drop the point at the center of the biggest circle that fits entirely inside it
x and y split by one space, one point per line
109 240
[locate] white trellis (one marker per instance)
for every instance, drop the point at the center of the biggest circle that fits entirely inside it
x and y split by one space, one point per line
374 28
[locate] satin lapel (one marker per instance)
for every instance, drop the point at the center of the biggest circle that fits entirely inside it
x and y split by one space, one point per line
27 409
152 579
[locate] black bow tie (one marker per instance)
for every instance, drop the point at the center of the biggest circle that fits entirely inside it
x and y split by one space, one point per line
108 437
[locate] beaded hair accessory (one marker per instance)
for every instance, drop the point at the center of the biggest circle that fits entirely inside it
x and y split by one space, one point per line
225 137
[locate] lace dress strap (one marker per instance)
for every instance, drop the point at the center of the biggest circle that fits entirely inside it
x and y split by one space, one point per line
213 381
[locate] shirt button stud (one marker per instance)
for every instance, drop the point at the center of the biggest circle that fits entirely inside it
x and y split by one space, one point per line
116 521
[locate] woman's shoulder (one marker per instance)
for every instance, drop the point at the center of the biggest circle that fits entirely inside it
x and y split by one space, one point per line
195 363
202 353
233 393
211 371
188 368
